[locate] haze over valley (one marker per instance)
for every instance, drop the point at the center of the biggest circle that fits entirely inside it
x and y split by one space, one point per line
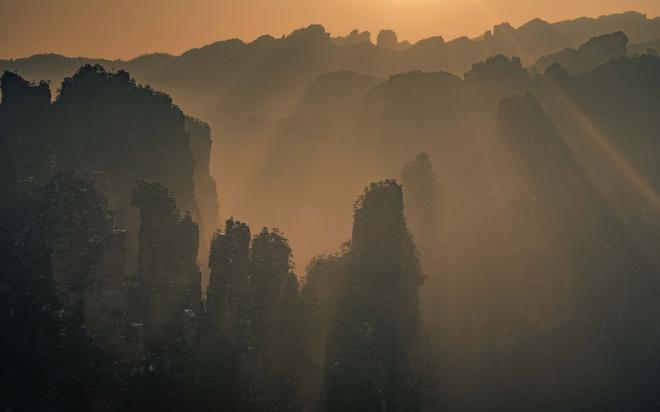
337 221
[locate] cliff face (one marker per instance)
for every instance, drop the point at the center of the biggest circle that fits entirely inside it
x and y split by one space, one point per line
106 126
23 153
87 256
106 295
254 319
77 321
67 300
169 285
205 186
229 280
23 130
81 307
89 302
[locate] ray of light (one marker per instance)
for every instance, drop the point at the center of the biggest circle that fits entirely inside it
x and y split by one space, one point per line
602 143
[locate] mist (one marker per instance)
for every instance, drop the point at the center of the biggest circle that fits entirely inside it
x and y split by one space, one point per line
337 221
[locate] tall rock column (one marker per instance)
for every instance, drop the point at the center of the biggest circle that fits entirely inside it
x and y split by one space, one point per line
169 289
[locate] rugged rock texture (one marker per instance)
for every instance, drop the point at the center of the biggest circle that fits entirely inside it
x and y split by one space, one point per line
254 319
168 275
229 279
68 304
106 126
83 325
205 186
377 357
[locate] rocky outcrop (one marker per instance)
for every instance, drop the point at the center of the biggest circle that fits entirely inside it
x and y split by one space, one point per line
353 38
102 124
229 280
389 40
68 298
168 275
206 194
588 56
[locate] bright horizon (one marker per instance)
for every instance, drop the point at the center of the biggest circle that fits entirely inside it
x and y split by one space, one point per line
121 29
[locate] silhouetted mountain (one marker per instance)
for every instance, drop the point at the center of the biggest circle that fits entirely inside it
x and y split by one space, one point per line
590 55
67 301
233 67
515 269
353 38
206 193
388 39
376 355
121 132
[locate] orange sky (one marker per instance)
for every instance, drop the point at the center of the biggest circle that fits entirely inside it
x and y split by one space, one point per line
128 28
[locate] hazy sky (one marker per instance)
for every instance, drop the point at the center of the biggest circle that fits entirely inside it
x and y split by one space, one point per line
128 28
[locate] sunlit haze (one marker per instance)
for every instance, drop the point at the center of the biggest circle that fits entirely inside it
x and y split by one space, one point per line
330 206
126 28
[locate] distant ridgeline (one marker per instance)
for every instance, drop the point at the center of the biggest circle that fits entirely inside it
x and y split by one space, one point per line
256 77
